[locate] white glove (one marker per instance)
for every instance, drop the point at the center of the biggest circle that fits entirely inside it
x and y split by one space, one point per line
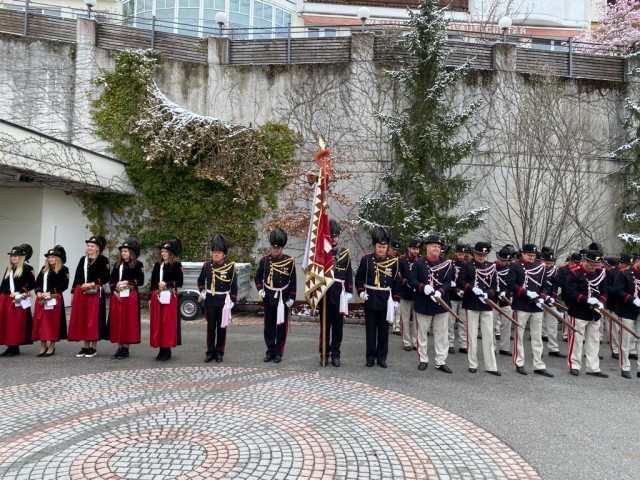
396 305
539 303
289 302
232 305
502 294
428 289
437 294
592 301
364 296
262 293
636 302
349 296
453 284
532 295
600 305
477 291
550 301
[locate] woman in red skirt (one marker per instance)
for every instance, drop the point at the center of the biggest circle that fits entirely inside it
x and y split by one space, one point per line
15 301
49 319
166 278
88 307
123 326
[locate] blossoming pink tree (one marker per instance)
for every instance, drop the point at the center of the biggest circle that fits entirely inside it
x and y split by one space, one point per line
619 27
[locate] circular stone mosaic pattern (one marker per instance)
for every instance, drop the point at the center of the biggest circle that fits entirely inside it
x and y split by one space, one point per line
249 423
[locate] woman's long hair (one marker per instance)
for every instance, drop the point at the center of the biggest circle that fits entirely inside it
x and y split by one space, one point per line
19 267
56 267
171 260
132 259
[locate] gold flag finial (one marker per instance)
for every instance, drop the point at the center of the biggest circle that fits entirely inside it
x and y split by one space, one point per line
321 142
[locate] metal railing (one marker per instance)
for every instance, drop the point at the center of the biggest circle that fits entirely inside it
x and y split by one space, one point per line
251 45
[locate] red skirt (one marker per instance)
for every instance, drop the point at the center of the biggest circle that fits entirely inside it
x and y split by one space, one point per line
123 325
49 325
15 322
88 312
164 328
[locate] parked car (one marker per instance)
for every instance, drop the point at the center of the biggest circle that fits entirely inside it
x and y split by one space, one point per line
189 301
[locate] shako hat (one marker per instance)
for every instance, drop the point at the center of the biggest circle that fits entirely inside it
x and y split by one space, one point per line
593 256
482 247
415 243
219 243
380 235
132 244
334 228
23 250
174 245
99 240
434 239
278 238
57 251
529 248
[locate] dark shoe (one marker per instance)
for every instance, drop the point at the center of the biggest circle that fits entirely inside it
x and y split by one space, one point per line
615 356
633 356
473 370
382 364
575 372
91 352
544 373
208 358
638 374
277 359
452 351
626 375
269 357
602 358
13 351
598 374
42 354
413 348
494 372
444 368
557 354
369 363
218 358
521 370
545 338
407 349
7 351
564 339
505 352
166 354
124 354
82 352
335 361
50 353
423 366
462 350
116 355
159 356
498 336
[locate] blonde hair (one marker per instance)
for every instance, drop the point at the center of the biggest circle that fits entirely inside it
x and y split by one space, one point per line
132 259
56 267
19 267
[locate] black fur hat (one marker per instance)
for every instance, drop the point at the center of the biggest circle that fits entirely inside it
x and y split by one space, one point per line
99 240
380 235
57 251
334 228
174 245
132 244
219 243
23 250
278 238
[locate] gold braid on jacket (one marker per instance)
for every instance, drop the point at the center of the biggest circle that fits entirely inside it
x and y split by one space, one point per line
278 267
216 274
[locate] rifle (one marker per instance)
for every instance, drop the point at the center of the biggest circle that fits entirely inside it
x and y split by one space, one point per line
501 311
613 318
444 305
550 311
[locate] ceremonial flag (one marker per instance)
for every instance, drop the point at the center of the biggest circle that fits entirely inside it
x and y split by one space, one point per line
318 261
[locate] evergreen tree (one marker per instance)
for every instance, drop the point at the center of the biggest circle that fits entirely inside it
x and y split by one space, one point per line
423 187
630 205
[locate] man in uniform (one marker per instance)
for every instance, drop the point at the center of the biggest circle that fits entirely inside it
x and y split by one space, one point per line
613 330
378 285
504 258
526 281
572 262
586 292
461 257
626 289
477 279
218 285
549 322
276 284
407 314
431 278
337 297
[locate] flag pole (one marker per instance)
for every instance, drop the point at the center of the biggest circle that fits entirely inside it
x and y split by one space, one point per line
323 320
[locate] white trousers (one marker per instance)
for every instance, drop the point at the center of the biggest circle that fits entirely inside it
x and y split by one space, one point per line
408 323
550 329
397 318
627 341
440 341
462 331
588 332
485 320
503 327
534 319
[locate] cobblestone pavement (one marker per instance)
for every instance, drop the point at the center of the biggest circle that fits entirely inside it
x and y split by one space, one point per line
64 418
252 423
